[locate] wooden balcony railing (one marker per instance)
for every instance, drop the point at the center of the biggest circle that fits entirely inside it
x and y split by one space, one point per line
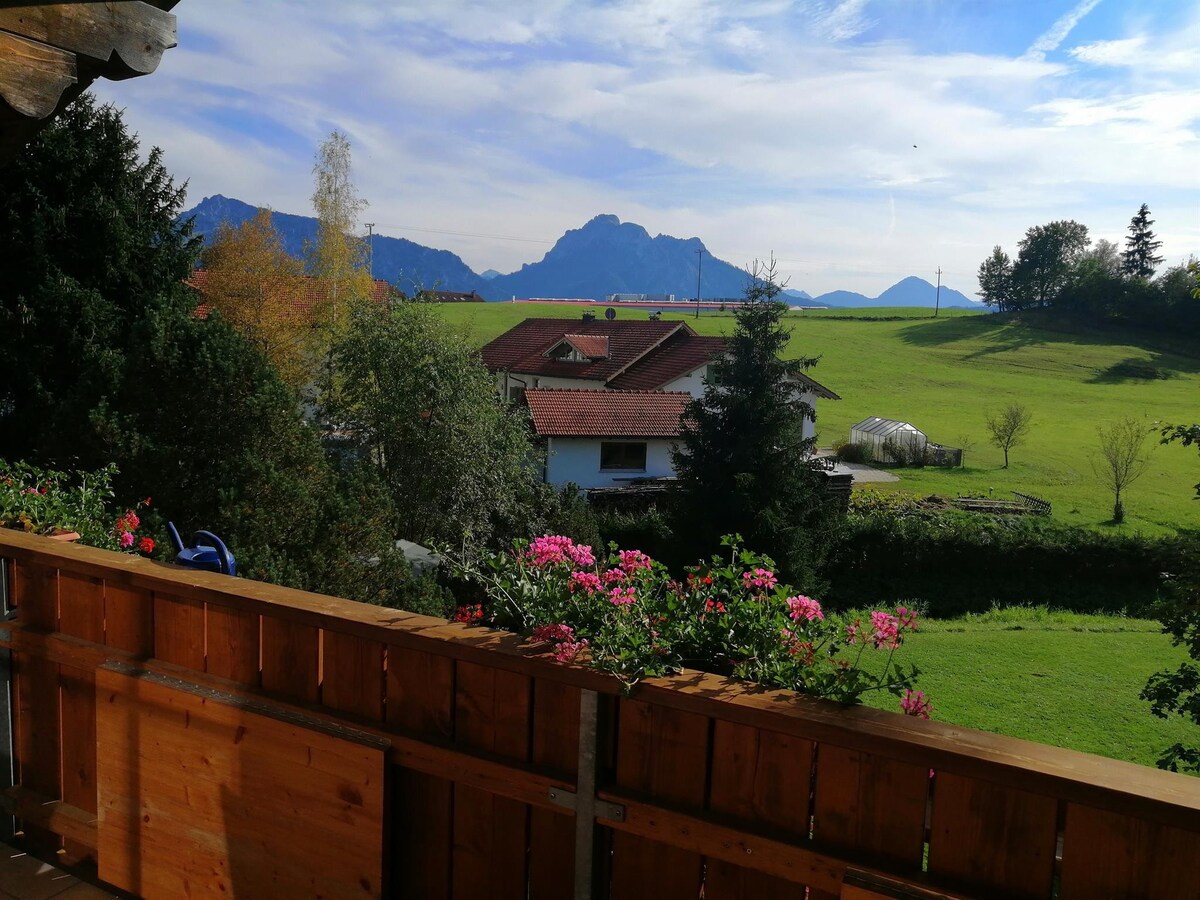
196 735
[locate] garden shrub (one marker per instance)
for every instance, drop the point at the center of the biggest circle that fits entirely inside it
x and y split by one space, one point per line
958 562
854 452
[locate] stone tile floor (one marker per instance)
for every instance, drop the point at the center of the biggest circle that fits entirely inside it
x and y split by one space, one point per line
24 878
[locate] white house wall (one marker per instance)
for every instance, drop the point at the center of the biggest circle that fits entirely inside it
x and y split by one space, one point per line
508 380
578 460
691 383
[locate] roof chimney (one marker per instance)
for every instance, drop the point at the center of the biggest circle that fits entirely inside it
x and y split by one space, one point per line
589 317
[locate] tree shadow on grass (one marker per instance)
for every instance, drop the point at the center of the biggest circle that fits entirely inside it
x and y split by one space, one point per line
1153 367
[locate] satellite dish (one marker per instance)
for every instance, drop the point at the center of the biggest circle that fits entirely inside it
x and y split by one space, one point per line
610 314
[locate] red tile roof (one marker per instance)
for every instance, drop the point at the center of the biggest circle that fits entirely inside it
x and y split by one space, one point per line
560 412
311 291
593 346
522 348
675 357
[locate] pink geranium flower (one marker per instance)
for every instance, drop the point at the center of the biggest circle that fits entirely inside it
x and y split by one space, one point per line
804 608
759 578
913 703
622 596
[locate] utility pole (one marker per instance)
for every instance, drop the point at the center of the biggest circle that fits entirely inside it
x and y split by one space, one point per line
699 265
938 301
371 249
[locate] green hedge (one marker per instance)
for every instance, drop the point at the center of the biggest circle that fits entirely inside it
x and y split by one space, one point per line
955 562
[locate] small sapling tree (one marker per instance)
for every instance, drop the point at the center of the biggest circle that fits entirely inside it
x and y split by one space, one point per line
1123 459
1009 427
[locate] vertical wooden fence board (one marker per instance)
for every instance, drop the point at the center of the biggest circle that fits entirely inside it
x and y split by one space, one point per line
1109 855
871 806
38 744
232 644
662 753
129 619
291 658
765 778
353 675
552 835
81 615
179 631
81 607
491 834
77 692
992 837
420 698
36 589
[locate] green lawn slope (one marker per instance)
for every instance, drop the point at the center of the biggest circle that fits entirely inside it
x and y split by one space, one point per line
944 375
1057 678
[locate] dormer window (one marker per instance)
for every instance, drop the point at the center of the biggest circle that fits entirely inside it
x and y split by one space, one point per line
579 348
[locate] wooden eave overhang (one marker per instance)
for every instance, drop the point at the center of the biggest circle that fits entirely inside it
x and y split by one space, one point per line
52 52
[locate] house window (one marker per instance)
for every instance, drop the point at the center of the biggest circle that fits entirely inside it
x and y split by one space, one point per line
627 455
515 393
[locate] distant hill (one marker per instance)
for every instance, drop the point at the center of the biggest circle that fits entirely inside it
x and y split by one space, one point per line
397 260
910 291
605 256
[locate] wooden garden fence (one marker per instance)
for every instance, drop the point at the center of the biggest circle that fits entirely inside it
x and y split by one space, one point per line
195 735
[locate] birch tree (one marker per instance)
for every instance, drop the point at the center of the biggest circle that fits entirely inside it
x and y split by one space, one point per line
337 257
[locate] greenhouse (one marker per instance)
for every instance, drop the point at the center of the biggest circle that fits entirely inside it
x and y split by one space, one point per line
883 434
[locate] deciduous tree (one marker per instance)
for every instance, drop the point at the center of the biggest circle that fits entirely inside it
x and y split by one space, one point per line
419 403
1047 256
258 287
1009 427
338 256
996 279
742 460
1123 458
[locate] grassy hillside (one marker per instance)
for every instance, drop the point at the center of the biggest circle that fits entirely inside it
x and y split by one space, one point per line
1058 678
944 375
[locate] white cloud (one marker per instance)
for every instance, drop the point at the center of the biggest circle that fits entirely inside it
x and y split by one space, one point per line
1057 33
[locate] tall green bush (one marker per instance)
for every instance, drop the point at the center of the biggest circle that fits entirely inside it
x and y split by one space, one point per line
956 562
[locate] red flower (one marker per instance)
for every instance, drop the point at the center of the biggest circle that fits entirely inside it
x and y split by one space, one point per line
146 545
469 614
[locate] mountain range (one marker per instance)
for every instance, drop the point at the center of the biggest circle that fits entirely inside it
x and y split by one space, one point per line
604 256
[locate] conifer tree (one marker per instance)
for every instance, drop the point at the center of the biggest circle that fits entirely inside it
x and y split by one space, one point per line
742 464
1140 246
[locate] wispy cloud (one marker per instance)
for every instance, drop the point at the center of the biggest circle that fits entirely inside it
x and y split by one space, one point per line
1057 33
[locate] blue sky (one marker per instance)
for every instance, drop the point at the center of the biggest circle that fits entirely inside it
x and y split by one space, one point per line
489 127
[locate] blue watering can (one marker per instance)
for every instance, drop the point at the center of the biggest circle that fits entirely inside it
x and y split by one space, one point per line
209 553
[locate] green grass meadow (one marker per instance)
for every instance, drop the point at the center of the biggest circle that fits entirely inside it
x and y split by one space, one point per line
1057 678
946 374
